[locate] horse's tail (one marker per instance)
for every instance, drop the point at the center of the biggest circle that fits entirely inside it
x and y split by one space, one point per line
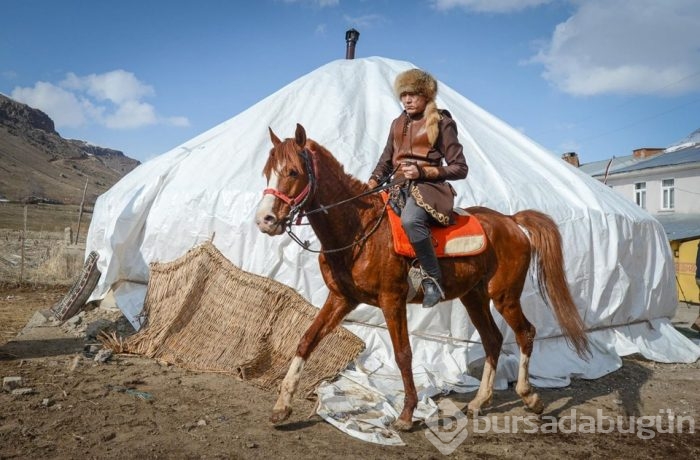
545 239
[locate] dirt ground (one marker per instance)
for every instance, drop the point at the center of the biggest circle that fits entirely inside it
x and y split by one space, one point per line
131 407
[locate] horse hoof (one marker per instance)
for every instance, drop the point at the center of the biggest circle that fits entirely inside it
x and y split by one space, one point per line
535 404
280 415
402 425
473 411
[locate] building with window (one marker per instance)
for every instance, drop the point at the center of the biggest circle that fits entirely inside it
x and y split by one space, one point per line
667 184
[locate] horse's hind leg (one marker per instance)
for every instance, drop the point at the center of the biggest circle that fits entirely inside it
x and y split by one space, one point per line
477 303
512 312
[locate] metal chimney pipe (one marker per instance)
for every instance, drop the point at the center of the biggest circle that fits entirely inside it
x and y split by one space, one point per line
351 37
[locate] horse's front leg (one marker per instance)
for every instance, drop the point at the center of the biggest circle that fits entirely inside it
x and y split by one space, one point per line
328 317
394 310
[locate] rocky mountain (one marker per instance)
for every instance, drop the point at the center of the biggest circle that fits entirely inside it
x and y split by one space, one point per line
38 165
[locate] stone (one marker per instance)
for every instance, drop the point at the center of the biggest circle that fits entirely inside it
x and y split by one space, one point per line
40 318
103 355
74 321
95 327
11 383
22 391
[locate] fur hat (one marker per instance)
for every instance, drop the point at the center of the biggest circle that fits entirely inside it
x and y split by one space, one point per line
416 81
419 82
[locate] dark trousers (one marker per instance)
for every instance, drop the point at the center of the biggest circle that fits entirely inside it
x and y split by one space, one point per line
415 221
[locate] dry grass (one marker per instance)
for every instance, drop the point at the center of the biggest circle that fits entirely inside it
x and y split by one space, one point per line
44 256
44 218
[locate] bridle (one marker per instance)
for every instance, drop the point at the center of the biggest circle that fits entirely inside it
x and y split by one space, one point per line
297 203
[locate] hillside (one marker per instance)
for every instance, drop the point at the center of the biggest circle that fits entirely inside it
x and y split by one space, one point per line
38 165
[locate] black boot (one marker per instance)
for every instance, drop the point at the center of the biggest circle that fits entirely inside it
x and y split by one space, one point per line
432 291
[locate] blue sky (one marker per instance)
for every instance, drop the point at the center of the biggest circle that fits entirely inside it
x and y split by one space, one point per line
599 77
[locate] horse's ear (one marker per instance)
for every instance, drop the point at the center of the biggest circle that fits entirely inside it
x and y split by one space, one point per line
275 140
300 136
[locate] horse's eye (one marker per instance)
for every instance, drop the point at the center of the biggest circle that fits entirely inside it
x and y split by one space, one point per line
293 173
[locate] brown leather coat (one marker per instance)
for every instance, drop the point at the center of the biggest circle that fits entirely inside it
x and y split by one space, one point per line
438 163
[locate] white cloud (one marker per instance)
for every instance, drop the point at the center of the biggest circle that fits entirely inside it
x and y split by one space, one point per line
117 86
62 106
181 122
625 47
366 21
488 6
131 114
112 99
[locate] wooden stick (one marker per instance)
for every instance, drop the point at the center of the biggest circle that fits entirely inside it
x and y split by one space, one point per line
24 237
80 215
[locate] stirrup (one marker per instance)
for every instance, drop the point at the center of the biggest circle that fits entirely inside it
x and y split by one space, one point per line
432 292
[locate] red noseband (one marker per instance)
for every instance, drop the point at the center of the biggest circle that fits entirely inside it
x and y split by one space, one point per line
298 201
286 198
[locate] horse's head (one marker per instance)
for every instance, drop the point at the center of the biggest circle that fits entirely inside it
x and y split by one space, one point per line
290 182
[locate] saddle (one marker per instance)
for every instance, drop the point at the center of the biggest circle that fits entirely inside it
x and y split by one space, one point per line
464 238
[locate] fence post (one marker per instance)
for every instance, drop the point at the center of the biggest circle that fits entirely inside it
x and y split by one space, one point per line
23 239
80 215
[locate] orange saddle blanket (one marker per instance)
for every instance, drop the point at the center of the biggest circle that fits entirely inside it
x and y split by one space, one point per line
464 238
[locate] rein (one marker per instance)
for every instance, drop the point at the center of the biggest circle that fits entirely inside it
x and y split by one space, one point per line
324 209
305 244
297 202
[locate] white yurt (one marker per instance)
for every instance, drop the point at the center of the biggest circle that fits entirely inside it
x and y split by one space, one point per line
618 262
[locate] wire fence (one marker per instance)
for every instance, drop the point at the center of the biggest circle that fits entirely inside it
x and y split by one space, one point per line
39 258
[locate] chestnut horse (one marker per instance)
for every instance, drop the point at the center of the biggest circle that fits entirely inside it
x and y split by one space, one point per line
359 265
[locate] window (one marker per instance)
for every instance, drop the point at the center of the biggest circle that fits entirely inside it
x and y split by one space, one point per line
640 194
668 194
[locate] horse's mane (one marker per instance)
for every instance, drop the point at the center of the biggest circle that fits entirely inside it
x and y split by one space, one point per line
286 153
326 156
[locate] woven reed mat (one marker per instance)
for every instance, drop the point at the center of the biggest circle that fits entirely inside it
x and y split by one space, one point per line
206 314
